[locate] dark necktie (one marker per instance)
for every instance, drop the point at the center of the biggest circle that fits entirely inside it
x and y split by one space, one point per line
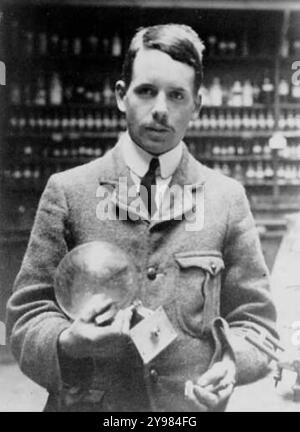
147 181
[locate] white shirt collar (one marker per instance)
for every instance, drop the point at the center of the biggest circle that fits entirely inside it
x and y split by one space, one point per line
138 160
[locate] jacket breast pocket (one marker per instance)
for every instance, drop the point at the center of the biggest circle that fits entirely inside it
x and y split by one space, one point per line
198 289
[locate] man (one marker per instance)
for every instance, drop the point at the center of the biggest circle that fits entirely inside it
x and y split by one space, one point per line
196 251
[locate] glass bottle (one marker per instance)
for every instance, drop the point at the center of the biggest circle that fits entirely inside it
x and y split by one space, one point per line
41 94
15 93
295 94
56 90
267 91
93 43
77 46
107 93
212 43
216 94
116 46
237 94
268 172
270 122
247 94
283 90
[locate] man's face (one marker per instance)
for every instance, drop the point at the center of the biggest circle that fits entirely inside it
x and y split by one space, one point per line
159 102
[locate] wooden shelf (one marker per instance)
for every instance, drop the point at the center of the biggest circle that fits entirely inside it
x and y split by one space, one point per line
69 159
178 4
102 105
65 106
241 134
106 59
73 160
38 184
238 59
58 136
114 135
270 183
289 106
65 62
235 158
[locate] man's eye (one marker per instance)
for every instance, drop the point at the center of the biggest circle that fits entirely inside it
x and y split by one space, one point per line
176 95
146 91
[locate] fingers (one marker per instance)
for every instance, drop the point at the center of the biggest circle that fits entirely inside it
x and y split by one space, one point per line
191 396
106 317
122 320
225 394
214 375
96 305
205 399
127 320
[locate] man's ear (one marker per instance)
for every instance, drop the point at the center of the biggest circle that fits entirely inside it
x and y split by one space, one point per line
120 92
198 104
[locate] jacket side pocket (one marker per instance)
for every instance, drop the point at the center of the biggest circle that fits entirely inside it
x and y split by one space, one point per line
203 277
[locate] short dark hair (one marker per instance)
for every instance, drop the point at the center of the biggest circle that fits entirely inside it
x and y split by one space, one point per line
179 41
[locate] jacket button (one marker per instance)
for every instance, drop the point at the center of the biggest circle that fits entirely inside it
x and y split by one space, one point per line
151 273
153 375
213 267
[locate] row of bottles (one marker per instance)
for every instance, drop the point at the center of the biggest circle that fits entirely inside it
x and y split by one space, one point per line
232 119
70 121
256 173
259 172
210 149
66 149
50 90
291 151
238 94
215 149
247 94
113 120
222 46
40 172
290 47
30 43
230 47
289 120
45 43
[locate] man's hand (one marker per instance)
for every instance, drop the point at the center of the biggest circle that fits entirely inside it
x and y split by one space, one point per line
85 339
214 387
289 359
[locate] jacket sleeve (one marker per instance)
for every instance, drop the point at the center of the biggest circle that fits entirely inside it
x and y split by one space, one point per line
246 302
34 320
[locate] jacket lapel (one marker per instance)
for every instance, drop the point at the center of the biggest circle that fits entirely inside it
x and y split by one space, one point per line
116 175
180 198
186 184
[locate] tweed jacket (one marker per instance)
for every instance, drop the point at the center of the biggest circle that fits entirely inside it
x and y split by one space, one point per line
209 276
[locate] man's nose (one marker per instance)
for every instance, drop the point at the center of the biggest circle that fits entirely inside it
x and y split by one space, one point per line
160 108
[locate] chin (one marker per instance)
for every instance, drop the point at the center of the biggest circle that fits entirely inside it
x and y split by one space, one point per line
157 146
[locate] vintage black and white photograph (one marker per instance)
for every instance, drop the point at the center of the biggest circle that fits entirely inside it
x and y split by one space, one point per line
150 207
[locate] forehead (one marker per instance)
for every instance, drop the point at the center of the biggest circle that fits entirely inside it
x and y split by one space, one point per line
156 67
